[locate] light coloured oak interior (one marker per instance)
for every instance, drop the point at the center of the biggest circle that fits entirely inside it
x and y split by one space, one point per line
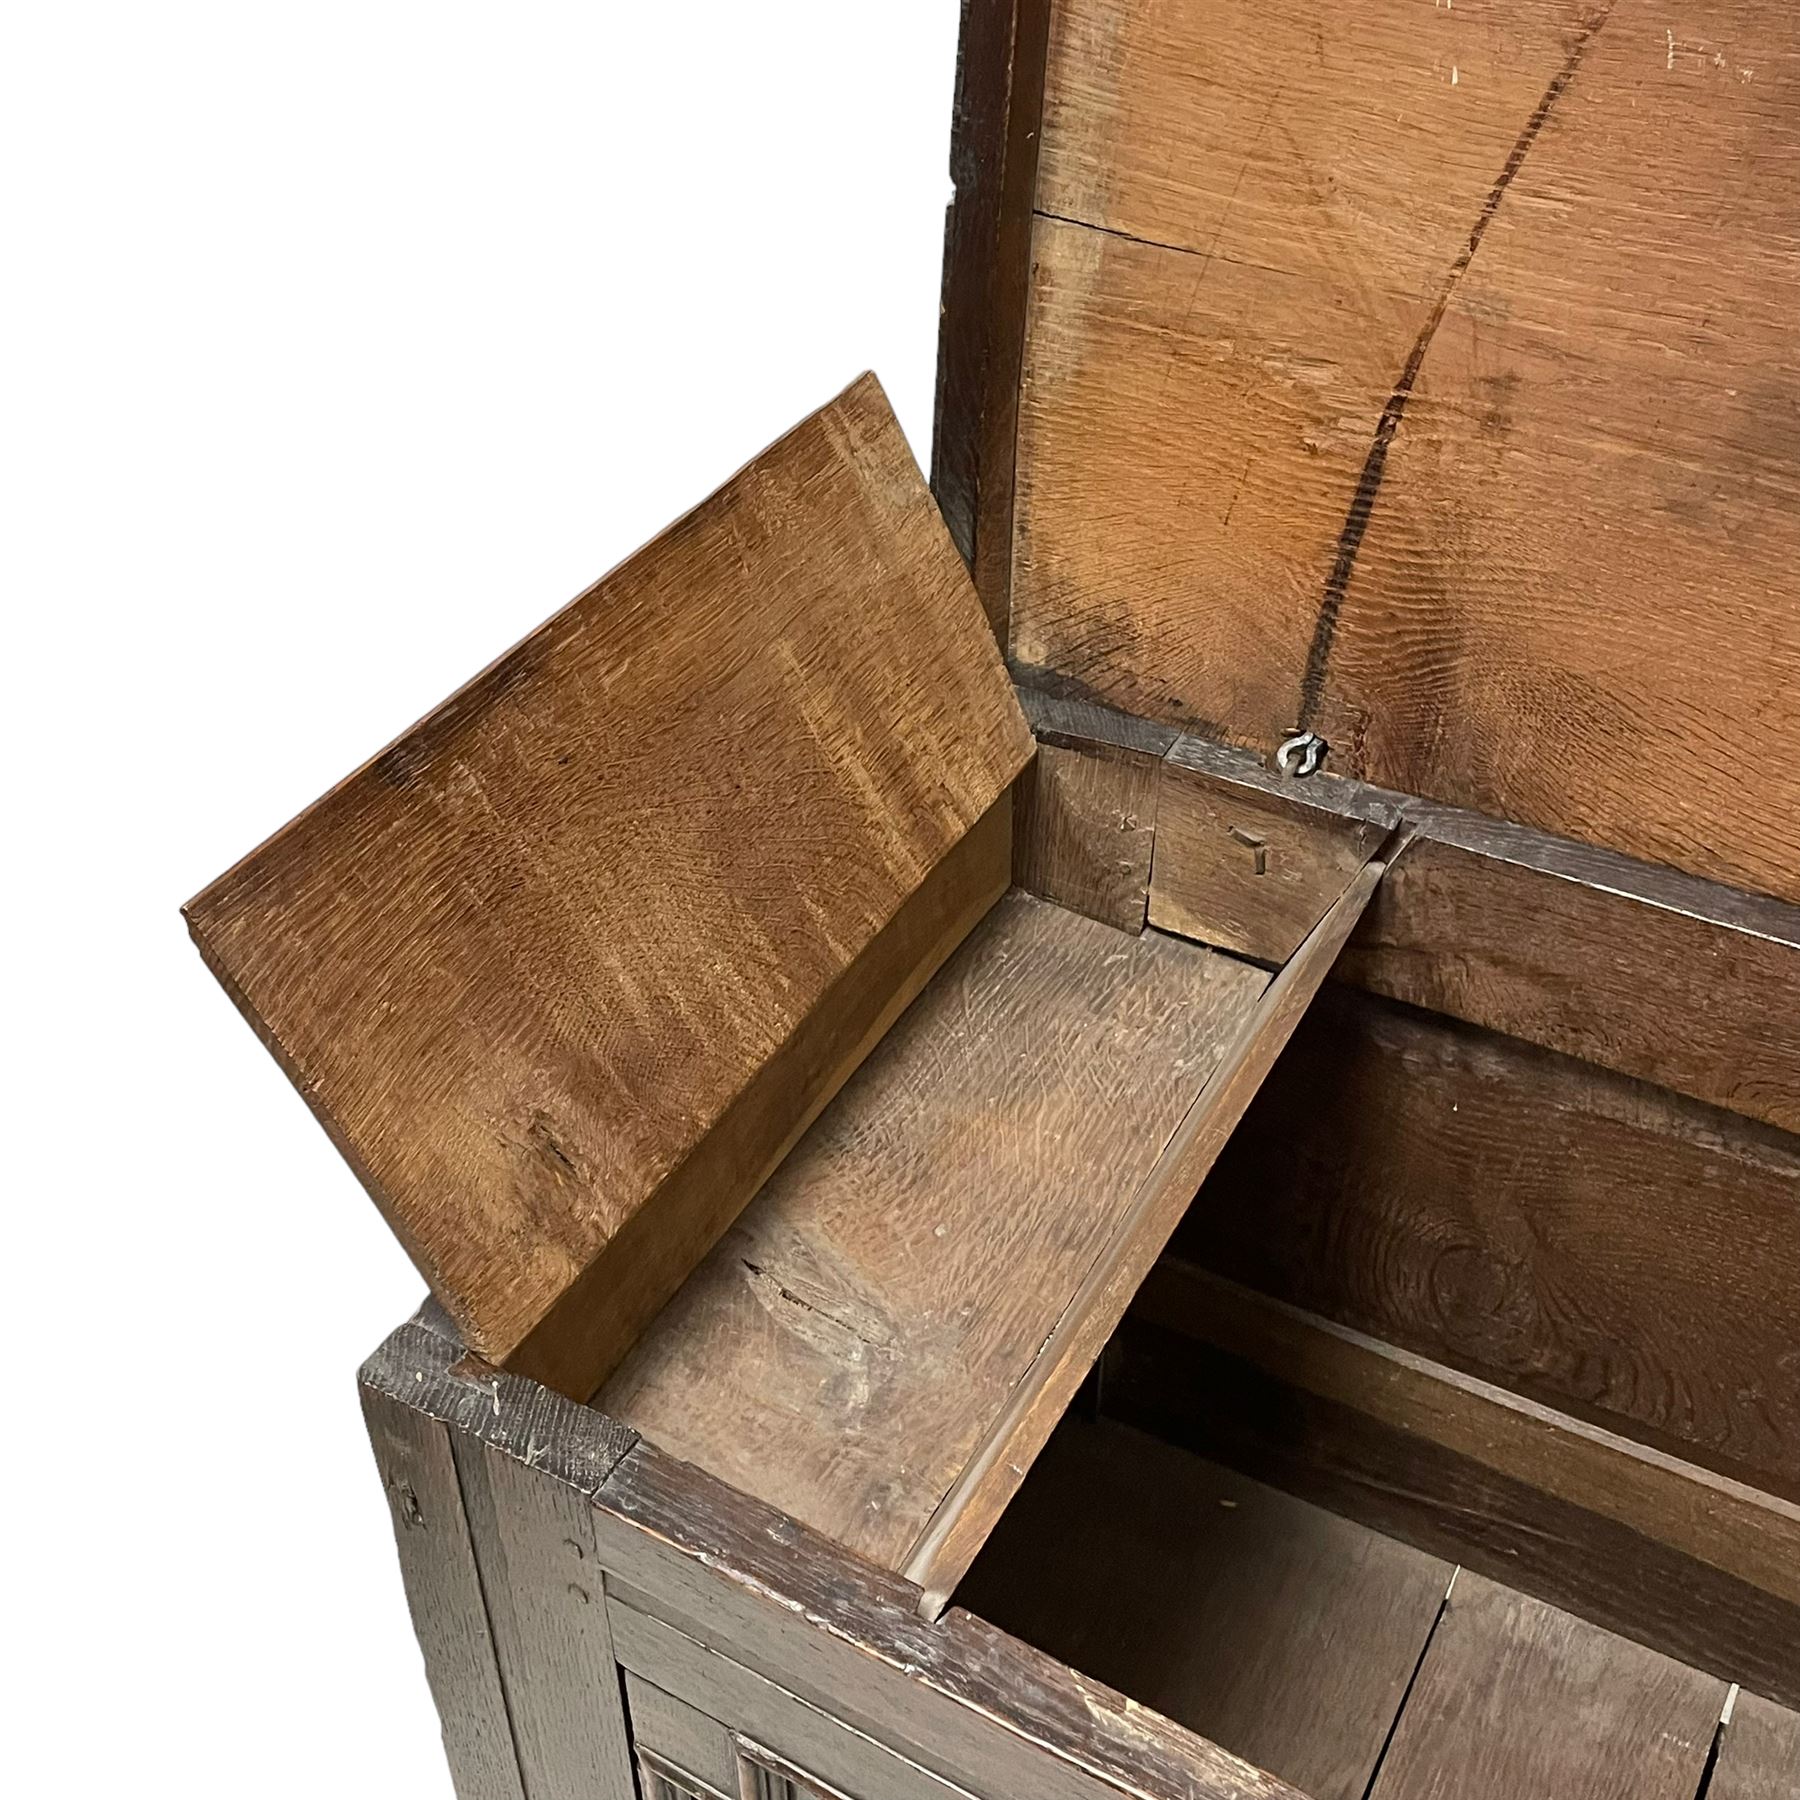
1426 374
848 1347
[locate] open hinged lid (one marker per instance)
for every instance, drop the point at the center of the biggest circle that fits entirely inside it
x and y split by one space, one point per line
567 968
1406 375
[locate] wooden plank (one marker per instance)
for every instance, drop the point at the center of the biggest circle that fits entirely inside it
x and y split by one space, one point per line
959 1527
987 247
681 1735
1084 830
1223 808
1137 525
1731 1528
956 1697
1687 1561
1603 398
1249 871
1517 1698
845 1352
1603 1247
1641 969
1675 981
1136 1562
1058 715
776 1720
1759 1754
1638 968
567 967
443 1593
1152 117
533 1539
658 1780
425 1362
1402 377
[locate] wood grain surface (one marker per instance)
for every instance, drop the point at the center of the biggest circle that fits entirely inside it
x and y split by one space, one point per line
987 250
1759 1754
1628 967
1274 1628
1426 376
1702 1568
425 1361
1246 870
846 1349
590 1325
1019 1429
956 1697
1661 975
762 1713
528 961
1596 1244
678 1734
443 1593
1516 1700
1084 829
1739 1530
541 1587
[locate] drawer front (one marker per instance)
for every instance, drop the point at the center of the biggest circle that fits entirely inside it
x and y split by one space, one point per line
706 1728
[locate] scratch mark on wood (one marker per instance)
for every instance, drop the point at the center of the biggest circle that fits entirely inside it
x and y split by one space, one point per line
1368 486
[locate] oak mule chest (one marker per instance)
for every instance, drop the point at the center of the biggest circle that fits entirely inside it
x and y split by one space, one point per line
1128 1126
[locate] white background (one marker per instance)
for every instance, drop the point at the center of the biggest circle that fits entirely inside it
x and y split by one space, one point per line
342 344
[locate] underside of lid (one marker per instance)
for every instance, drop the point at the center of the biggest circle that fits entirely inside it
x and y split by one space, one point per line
567 968
1420 377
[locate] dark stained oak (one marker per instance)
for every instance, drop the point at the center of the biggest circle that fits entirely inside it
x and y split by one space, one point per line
1274 1628
845 1352
1581 1238
567 967
1759 1754
1732 1528
1427 377
541 1586
987 248
956 1697
762 1713
1517 1701
425 1361
414 1455
676 1733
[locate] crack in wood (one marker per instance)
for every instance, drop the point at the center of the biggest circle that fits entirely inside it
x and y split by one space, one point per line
1211 254
772 1284
1368 486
